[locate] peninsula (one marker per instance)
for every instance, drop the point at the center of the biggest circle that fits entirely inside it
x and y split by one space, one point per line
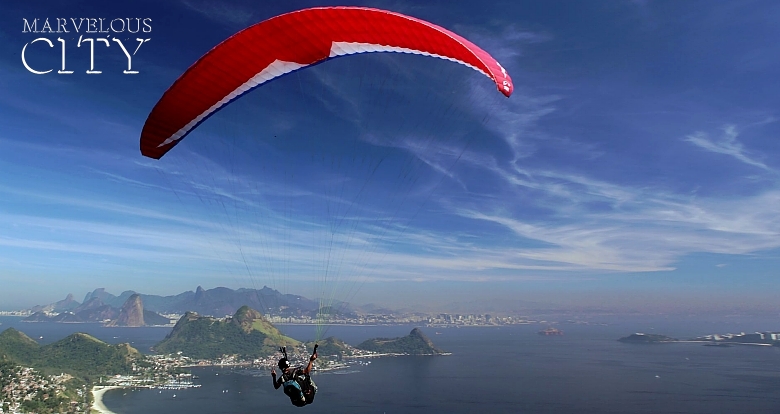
643 338
742 338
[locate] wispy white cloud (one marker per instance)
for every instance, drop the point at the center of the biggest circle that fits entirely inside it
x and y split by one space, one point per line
97 204
585 224
642 229
515 120
506 44
581 224
726 144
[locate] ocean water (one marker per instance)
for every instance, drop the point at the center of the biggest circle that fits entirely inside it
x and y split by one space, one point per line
504 370
47 332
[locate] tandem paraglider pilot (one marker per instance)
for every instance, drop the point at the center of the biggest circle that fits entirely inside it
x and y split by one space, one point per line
296 380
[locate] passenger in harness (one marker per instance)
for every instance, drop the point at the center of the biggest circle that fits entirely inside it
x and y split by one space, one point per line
296 380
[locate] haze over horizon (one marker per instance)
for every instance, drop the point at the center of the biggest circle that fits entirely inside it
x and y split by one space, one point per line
635 168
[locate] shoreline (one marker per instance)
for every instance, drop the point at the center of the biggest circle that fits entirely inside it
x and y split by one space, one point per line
97 399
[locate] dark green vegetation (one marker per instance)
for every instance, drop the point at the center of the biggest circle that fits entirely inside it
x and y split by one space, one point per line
16 346
332 346
416 343
641 338
42 401
79 354
89 357
18 349
75 362
247 334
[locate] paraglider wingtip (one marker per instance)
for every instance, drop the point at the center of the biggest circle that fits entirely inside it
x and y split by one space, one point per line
151 153
506 90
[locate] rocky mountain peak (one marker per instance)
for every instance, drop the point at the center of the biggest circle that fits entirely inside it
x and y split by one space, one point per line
131 313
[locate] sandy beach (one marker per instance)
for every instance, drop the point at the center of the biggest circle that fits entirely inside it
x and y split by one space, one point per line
97 394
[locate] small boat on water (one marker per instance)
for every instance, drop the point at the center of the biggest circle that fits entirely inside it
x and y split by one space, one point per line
551 332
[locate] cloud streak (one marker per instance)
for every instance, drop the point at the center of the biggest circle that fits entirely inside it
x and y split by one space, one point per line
640 230
727 144
579 174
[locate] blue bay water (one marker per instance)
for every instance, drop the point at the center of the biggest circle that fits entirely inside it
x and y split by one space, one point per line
47 332
497 370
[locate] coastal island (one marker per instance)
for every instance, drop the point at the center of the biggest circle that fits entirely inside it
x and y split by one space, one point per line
416 343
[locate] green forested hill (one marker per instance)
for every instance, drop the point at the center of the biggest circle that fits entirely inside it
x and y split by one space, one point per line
246 334
18 347
89 356
79 354
332 346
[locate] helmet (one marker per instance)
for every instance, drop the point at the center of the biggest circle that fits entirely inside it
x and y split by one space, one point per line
284 363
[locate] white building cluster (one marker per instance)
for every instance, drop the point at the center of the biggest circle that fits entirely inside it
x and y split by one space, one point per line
26 384
742 337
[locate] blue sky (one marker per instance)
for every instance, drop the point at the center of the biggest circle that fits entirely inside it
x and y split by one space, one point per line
635 168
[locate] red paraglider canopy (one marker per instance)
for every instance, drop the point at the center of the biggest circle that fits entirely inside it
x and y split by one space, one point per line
292 41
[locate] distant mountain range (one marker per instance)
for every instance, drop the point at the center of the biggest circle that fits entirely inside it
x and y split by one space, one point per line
131 313
100 305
